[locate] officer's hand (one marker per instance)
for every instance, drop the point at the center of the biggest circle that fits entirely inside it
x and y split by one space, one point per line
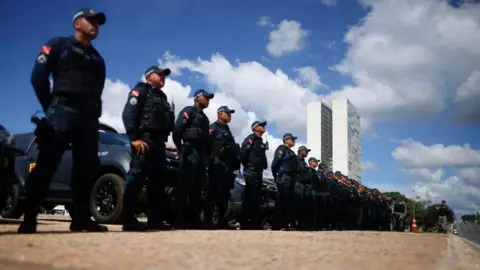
140 146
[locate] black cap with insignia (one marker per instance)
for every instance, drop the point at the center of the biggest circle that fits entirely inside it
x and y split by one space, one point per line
225 109
89 13
304 148
203 92
258 123
289 136
155 69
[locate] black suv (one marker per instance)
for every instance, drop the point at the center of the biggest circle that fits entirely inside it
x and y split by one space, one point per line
107 195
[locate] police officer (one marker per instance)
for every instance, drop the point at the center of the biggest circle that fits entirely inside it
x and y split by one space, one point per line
254 160
148 120
72 109
318 193
333 198
285 167
191 137
303 200
224 159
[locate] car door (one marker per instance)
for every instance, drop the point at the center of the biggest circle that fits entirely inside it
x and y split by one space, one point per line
61 179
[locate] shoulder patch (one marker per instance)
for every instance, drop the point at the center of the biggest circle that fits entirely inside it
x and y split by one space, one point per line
250 141
46 49
133 101
186 115
135 93
211 130
280 152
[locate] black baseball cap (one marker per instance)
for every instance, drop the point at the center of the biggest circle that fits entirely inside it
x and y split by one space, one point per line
304 148
225 109
90 13
155 69
258 123
203 92
313 159
289 136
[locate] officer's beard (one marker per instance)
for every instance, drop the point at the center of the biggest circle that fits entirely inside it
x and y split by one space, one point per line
90 34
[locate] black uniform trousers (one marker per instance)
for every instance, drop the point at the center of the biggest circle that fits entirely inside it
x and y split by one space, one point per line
250 217
302 203
192 178
78 130
149 168
220 182
284 205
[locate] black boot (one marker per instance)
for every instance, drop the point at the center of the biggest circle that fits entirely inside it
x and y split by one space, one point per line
28 227
87 226
133 225
29 224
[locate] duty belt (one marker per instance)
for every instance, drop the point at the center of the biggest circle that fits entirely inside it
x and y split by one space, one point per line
80 103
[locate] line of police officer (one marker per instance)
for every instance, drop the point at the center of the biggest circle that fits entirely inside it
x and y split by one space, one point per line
72 110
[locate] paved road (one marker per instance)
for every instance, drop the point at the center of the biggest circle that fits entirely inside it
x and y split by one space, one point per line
470 231
55 247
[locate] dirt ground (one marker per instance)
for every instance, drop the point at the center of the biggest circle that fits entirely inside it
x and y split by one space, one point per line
56 248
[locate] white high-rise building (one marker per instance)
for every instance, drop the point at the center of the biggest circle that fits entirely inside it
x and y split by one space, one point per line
347 147
319 131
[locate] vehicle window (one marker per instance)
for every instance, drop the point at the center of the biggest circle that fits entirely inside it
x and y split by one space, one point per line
110 138
22 141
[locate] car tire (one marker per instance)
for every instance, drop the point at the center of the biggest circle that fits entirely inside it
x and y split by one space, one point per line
107 191
14 207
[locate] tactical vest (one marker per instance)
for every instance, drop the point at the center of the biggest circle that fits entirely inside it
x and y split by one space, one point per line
257 157
78 72
223 145
197 130
289 162
304 174
157 114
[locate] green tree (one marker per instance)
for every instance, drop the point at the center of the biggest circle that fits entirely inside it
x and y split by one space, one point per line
431 216
418 205
471 217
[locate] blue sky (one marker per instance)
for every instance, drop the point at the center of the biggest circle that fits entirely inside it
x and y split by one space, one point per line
138 33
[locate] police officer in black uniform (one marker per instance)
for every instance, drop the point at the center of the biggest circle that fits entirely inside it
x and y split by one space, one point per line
72 110
303 200
148 120
285 167
332 199
317 185
224 159
254 160
191 137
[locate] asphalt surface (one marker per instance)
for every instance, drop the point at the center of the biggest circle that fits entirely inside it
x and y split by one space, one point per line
469 231
54 247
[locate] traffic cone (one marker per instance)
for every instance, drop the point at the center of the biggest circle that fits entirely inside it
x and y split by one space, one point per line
414 226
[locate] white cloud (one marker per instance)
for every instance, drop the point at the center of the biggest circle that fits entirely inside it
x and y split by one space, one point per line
270 95
468 98
330 3
265 21
414 154
368 165
309 78
410 56
460 191
426 166
286 38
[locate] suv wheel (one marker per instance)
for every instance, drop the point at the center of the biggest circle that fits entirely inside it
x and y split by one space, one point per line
106 200
13 206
